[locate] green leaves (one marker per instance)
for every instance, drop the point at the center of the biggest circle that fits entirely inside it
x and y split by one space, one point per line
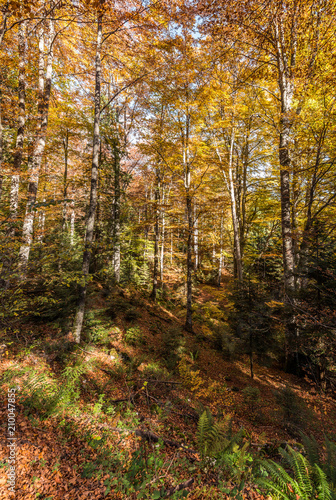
305 481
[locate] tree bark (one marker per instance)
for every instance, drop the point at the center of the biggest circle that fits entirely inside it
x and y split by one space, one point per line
162 241
196 236
116 215
235 221
189 213
156 237
286 88
220 261
39 146
2 34
78 323
72 223
188 324
65 182
15 182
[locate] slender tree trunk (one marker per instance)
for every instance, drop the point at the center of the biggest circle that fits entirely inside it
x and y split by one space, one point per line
189 214
171 247
2 34
72 223
156 238
39 146
286 95
15 182
41 224
162 242
235 221
196 236
188 324
116 215
220 261
1 143
65 181
78 323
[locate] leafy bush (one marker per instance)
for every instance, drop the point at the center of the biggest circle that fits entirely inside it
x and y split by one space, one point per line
42 392
251 397
295 412
172 346
224 341
134 336
154 370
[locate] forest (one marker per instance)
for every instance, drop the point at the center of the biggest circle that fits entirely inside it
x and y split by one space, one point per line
167 249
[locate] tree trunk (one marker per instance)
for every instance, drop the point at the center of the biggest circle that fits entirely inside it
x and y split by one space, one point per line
286 95
235 220
188 324
65 181
162 242
196 236
116 215
41 224
220 261
72 223
156 238
189 213
39 146
14 193
78 323
2 34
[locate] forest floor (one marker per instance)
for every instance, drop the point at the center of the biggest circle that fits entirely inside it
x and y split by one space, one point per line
140 371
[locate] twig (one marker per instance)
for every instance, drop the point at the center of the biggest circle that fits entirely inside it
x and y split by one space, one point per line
180 487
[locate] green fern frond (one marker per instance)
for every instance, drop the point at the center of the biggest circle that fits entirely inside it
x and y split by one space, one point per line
322 486
305 482
212 436
302 471
312 449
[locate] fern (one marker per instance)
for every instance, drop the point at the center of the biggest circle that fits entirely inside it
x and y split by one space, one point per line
326 464
306 481
329 466
211 436
312 449
41 391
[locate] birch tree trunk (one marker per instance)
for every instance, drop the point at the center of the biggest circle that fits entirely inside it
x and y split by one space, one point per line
72 223
78 323
15 181
39 146
286 87
235 221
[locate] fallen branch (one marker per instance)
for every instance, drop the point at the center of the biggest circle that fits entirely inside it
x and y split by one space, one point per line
160 381
153 438
180 487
